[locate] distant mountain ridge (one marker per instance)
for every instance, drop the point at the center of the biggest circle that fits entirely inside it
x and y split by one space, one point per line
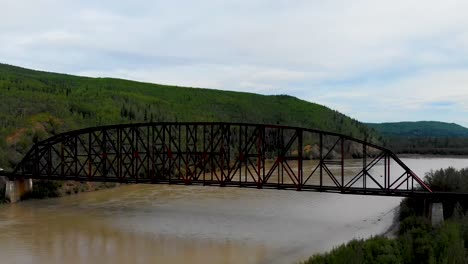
420 129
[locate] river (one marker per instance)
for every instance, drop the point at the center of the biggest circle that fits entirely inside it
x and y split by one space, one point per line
194 224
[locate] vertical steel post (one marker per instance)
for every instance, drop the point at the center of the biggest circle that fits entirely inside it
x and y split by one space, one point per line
169 150
119 153
263 152
89 154
211 152
240 155
299 159
133 154
179 155
283 150
278 154
407 180
188 152
104 153
195 153
385 172
259 138
342 164
412 184
246 153
62 172
228 159
204 154
364 166
321 161
35 161
221 155
148 153
75 158
388 173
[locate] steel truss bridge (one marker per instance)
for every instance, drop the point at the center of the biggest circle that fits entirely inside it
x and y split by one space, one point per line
223 154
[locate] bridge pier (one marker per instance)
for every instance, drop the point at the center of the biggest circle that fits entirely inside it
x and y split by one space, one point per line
16 189
437 214
434 211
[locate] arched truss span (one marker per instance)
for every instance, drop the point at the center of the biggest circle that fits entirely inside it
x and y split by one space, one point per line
225 154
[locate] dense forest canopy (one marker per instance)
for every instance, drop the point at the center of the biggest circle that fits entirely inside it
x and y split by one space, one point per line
425 137
420 129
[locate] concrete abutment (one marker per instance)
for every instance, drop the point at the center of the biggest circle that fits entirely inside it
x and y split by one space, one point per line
434 211
16 189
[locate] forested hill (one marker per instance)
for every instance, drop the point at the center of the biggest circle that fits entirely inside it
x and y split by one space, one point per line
35 105
424 137
421 129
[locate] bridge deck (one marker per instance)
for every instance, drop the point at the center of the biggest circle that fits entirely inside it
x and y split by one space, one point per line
436 196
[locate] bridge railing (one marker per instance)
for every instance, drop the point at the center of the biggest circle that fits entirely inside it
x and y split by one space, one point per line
225 154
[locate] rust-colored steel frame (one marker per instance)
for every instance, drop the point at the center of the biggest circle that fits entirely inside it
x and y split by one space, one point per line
224 154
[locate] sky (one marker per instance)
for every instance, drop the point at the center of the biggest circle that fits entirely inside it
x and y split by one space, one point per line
376 61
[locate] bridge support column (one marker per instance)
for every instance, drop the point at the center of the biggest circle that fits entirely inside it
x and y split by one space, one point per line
434 211
16 189
437 214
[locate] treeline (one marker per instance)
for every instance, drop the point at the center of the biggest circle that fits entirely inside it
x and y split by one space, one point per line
428 145
417 241
36 105
425 137
421 129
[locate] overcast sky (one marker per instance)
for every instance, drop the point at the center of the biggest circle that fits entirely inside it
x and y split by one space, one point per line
377 61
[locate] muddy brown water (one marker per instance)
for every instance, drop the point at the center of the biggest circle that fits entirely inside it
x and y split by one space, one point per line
195 224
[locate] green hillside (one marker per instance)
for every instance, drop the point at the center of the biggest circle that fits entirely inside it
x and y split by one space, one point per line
424 137
35 105
421 129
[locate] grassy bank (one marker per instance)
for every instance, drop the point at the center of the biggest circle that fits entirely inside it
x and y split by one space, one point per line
417 241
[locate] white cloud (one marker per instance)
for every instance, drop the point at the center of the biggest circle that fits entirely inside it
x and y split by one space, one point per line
245 78
430 95
363 57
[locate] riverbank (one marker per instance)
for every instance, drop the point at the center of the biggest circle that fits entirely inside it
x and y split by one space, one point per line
431 156
392 231
43 189
49 189
419 243
417 240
